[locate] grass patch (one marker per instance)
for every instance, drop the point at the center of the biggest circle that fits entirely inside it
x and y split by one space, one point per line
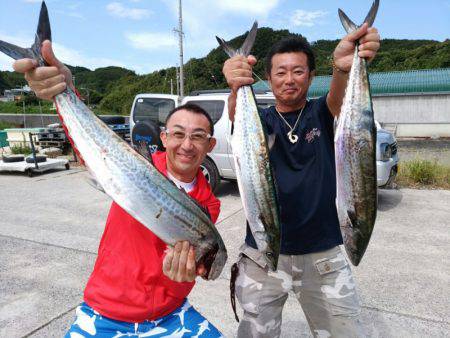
17 108
7 125
22 149
423 174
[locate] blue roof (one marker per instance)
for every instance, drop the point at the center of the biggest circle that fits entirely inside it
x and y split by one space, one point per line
388 83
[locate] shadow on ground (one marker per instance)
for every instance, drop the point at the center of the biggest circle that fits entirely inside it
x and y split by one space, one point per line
388 199
227 188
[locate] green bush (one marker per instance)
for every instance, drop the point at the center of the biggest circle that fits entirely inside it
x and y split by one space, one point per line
417 173
22 149
7 125
17 108
422 171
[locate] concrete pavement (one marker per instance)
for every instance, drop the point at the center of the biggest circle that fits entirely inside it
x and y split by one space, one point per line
51 225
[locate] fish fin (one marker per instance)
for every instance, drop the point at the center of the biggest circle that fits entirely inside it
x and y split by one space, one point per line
350 26
370 18
14 51
271 141
230 51
143 149
249 40
352 218
246 46
43 33
93 182
234 274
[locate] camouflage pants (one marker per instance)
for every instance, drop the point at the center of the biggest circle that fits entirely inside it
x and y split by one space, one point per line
322 282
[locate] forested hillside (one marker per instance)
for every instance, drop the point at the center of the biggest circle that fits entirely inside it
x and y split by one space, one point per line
113 88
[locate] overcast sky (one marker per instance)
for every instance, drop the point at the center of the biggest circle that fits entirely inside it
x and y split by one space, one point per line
138 34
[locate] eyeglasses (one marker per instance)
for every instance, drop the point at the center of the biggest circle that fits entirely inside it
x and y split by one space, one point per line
197 137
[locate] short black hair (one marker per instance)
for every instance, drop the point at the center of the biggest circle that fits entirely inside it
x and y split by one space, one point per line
291 45
193 108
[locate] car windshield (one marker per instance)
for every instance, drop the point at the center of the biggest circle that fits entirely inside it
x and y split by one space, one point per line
153 109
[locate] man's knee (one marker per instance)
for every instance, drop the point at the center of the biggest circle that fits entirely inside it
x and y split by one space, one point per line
259 326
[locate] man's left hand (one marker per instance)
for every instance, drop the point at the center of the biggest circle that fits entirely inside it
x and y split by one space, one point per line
179 263
369 43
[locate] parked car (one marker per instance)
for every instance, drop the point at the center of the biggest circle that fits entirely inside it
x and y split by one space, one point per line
387 157
118 125
219 163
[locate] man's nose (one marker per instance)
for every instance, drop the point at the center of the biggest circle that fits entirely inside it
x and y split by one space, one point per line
289 77
187 142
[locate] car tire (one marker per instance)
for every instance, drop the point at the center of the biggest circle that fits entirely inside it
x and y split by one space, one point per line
39 159
112 119
149 132
211 173
29 172
67 166
13 158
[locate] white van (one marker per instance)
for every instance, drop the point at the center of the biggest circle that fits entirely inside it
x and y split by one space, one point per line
219 164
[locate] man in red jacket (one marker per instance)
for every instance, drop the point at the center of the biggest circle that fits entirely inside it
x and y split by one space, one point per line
136 289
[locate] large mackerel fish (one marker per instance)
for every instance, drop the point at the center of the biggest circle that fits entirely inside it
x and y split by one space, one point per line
251 158
355 142
127 177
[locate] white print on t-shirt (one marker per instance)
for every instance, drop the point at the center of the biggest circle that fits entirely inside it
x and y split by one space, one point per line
310 135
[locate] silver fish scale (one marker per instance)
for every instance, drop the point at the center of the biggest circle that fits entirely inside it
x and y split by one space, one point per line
136 185
254 174
355 162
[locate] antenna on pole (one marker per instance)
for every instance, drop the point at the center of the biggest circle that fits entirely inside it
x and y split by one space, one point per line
180 83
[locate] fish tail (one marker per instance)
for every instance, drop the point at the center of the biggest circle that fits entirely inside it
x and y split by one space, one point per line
370 18
350 26
14 51
34 52
246 46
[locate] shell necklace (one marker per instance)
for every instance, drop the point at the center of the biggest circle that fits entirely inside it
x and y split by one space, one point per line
291 136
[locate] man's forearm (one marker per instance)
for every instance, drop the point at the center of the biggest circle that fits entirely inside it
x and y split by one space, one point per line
337 91
232 105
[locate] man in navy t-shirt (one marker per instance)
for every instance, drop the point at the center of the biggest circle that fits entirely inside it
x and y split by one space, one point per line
311 264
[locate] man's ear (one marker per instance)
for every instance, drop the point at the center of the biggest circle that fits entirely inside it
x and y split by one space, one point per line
163 137
212 144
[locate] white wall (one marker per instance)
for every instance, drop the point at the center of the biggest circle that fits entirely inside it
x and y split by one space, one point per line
412 108
414 115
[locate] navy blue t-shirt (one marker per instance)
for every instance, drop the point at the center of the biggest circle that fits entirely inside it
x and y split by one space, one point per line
305 179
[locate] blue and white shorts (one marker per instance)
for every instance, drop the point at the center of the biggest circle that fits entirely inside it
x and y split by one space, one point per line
183 322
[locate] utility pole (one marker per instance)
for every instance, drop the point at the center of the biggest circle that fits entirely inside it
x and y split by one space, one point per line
171 87
180 41
178 80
